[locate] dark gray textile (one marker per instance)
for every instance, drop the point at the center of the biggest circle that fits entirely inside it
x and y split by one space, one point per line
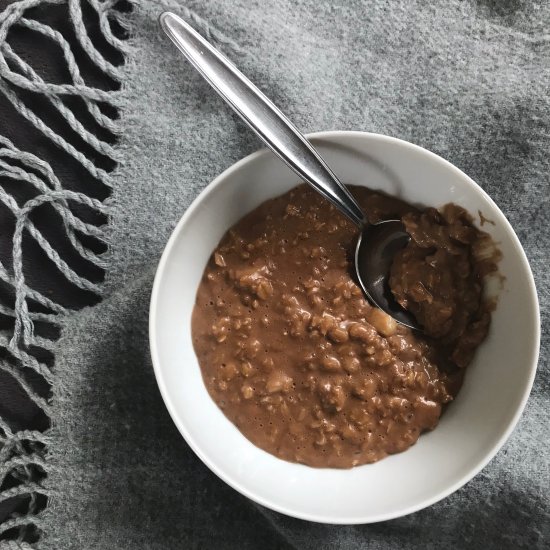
468 80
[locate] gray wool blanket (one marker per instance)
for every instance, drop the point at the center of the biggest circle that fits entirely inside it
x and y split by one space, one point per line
467 79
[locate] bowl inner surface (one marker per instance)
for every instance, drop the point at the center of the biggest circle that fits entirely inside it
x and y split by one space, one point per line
473 427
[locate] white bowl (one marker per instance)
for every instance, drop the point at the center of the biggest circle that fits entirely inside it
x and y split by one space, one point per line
472 429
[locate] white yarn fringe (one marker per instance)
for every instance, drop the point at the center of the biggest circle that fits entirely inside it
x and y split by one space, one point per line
22 452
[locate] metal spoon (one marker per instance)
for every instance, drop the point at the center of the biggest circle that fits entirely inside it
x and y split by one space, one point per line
377 243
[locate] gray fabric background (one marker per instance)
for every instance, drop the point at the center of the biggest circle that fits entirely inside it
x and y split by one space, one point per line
468 80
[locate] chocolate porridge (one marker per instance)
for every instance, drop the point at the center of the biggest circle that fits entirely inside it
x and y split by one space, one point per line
302 364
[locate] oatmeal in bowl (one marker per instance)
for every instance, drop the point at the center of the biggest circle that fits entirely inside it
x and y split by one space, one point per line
297 392
296 357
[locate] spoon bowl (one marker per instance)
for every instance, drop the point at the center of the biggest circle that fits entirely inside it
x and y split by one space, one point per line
374 253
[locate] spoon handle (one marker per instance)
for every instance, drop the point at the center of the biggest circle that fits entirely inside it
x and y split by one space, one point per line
275 130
